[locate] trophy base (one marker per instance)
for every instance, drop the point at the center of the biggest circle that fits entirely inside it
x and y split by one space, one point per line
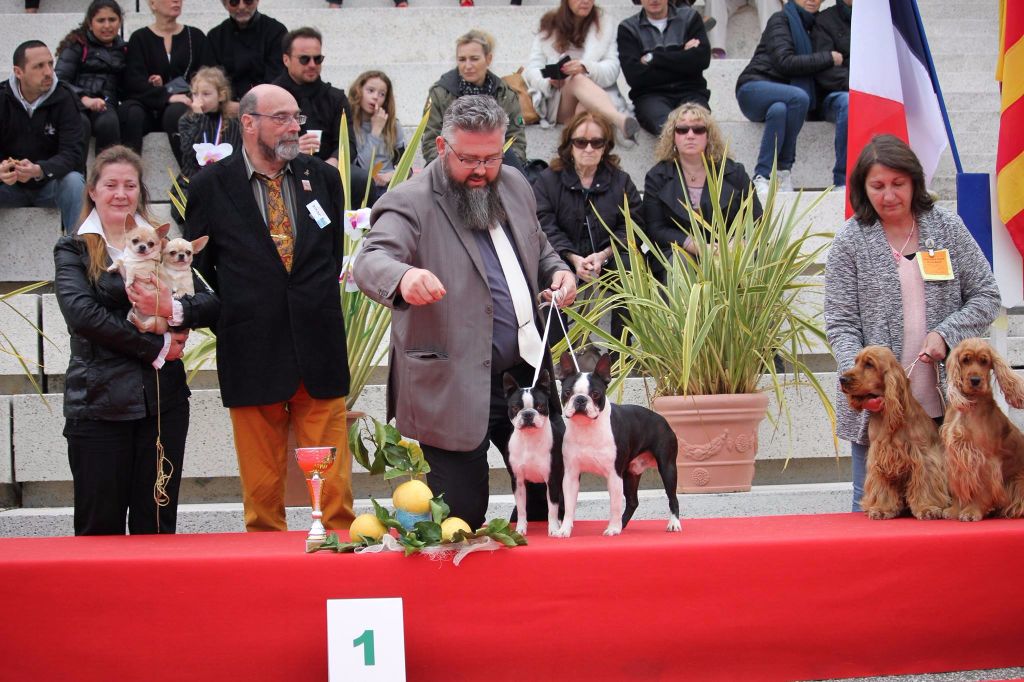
314 543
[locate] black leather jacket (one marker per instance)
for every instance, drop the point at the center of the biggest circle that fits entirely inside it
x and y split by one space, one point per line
665 201
565 213
671 70
92 69
110 375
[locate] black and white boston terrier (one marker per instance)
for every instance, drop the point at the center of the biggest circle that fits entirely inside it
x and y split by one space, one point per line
535 448
614 441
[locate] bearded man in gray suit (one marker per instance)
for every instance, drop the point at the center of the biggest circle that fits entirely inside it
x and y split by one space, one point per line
459 256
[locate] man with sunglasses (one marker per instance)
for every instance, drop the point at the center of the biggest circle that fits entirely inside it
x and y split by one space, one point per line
247 45
321 103
274 219
459 256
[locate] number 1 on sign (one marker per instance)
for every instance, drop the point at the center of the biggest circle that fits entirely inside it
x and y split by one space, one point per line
365 640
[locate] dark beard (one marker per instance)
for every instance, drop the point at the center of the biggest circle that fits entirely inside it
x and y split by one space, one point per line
479 208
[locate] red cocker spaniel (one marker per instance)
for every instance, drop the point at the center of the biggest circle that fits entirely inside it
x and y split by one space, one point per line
905 463
984 450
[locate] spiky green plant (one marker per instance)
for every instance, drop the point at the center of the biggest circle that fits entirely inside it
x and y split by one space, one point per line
718 321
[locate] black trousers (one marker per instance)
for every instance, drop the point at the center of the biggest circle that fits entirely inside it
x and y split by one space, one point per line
113 464
652 110
137 121
463 476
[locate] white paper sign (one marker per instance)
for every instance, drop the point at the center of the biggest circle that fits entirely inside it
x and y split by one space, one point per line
365 640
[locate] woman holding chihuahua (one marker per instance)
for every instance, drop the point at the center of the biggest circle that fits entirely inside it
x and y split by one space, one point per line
125 398
380 141
91 61
574 65
209 132
162 59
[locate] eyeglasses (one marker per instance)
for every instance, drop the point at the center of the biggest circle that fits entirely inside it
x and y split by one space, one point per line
234 3
284 119
697 130
304 59
582 142
473 164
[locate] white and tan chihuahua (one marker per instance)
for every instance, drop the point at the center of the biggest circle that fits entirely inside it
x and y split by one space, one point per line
176 266
140 260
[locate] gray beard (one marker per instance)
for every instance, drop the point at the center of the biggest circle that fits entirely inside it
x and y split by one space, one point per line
479 208
285 150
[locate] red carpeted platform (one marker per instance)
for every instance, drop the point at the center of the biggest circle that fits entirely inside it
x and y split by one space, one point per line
769 598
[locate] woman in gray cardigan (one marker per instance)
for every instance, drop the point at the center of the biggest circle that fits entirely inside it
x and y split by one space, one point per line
875 293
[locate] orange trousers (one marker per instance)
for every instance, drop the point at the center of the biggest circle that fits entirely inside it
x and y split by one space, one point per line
261 443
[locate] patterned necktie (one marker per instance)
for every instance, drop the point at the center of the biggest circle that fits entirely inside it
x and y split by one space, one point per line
277 219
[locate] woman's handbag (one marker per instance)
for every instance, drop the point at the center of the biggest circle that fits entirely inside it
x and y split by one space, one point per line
516 82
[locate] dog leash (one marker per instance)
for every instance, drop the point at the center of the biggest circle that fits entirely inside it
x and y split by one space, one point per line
938 379
551 305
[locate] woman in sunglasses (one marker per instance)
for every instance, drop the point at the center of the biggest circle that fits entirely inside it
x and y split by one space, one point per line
690 138
162 59
574 66
579 199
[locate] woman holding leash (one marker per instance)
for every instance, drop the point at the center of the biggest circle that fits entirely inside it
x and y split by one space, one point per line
125 397
905 274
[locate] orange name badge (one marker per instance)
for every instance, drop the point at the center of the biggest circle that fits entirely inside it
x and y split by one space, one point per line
935 264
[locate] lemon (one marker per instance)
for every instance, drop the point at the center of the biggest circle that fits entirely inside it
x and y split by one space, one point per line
451 526
367 526
412 496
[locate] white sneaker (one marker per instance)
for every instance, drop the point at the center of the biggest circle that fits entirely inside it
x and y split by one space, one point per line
761 187
785 181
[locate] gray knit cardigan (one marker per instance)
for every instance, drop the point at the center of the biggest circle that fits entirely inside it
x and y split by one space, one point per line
864 306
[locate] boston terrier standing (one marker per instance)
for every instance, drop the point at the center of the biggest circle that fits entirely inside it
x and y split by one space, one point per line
535 448
614 441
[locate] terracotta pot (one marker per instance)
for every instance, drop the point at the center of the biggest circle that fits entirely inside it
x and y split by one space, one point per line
717 439
296 494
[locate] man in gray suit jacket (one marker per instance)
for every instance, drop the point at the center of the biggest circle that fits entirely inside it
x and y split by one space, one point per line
457 252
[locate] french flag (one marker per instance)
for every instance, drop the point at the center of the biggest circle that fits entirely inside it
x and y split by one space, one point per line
891 89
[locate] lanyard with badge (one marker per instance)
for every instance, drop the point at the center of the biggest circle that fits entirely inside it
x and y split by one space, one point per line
934 263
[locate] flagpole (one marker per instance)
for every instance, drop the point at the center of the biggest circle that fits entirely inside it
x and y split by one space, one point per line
933 74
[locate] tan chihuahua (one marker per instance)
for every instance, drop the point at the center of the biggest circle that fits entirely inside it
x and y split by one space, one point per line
176 266
140 260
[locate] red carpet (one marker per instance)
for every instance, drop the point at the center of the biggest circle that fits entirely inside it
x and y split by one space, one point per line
773 598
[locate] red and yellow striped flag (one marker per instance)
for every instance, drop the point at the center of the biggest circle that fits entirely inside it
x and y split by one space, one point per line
1010 156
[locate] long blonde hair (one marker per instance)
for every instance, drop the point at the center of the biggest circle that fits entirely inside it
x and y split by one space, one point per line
355 98
665 149
94 243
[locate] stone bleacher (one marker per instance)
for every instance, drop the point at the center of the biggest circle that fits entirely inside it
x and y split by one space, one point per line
418 48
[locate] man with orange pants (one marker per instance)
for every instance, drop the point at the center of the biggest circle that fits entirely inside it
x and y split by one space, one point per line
274 218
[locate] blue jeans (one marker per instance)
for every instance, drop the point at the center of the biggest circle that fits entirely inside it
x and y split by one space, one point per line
64 193
835 107
783 109
860 467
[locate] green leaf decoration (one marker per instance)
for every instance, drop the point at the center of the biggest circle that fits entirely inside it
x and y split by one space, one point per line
439 509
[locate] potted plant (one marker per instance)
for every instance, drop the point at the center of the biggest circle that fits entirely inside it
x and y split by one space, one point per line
715 334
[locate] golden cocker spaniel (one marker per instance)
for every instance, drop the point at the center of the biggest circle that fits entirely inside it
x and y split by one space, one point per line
984 450
905 464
